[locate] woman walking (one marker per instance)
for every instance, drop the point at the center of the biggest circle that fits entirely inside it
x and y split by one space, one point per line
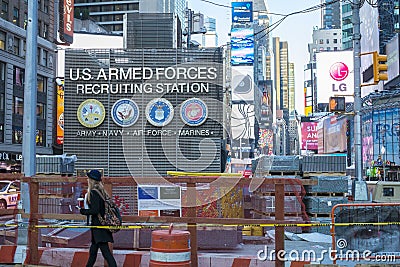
100 237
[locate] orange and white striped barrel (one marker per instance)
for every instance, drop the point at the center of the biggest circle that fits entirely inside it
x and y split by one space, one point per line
170 248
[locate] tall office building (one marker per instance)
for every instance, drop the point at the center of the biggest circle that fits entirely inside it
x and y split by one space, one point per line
13 62
292 91
347 26
323 40
109 14
331 15
281 67
210 38
389 21
281 92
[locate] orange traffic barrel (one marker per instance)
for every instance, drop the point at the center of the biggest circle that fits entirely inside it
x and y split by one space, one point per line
170 248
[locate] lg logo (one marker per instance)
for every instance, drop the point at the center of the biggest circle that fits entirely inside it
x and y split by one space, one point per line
339 71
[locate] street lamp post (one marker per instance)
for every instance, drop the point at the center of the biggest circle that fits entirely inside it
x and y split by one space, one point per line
360 191
383 151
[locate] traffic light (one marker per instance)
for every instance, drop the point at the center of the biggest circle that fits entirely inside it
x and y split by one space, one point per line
337 104
380 67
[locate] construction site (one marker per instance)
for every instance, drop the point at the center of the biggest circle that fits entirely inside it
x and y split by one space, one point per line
301 206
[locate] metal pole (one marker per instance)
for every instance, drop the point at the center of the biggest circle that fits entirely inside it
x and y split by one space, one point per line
357 89
189 27
279 215
29 126
360 187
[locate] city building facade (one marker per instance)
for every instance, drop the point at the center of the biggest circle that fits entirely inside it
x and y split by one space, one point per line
110 14
331 15
12 78
347 26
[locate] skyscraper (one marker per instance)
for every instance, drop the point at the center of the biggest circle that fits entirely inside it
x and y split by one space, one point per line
389 21
331 15
210 38
347 26
281 83
281 67
291 88
109 14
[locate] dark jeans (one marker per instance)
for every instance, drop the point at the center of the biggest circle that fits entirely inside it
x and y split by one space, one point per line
105 250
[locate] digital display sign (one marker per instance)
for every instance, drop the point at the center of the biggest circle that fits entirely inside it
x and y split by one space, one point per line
242 12
242 46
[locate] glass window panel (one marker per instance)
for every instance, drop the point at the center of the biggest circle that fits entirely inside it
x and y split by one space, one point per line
40 137
41 111
1 133
41 84
2 40
16 16
17 135
18 105
2 71
4 10
17 42
19 76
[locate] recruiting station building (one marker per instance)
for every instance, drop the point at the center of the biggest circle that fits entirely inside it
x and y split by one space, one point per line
144 112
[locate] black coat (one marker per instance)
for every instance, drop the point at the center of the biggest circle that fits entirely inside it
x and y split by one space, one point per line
97 206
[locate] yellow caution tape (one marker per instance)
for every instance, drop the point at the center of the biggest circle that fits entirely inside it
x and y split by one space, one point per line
215 225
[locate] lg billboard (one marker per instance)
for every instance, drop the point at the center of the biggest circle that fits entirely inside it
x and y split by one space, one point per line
335 72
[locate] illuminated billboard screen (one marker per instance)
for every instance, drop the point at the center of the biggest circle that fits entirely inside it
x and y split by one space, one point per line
335 75
334 135
242 121
242 46
392 51
369 30
309 136
242 83
242 12
60 113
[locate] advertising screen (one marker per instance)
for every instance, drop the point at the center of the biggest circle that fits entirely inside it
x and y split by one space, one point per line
242 46
392 52
309 136
335 75
242 12
334 135
369 29
67 33
386 132
243 83
242 121
60 113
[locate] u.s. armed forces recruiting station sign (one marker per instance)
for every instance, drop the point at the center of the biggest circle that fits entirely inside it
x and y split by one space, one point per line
135 81
145 112
188 79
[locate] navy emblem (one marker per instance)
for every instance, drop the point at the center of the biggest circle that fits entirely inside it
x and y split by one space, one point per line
159 112
194 112
125 112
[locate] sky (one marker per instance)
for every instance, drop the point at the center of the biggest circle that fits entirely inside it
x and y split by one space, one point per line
296 30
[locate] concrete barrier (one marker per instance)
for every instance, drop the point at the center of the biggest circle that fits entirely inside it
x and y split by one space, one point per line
72 257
